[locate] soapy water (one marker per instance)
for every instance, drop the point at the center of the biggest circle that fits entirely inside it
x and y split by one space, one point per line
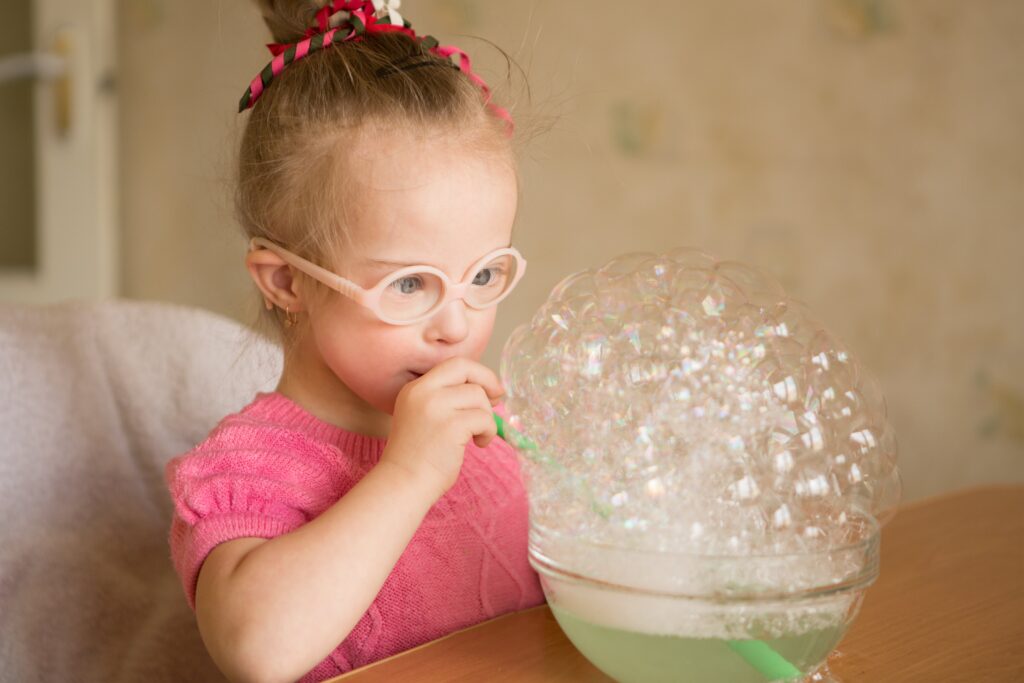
681 404
636 656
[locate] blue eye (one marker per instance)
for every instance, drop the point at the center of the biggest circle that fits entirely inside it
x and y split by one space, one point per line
487 276
408 285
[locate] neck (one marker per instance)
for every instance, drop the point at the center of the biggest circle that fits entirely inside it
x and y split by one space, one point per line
307 381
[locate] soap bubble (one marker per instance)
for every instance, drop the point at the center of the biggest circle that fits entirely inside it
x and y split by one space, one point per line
679 403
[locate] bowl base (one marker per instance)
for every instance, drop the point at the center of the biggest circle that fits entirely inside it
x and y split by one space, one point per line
824 674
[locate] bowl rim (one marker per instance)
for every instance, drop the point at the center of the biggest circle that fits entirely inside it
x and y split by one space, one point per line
867 547
857 518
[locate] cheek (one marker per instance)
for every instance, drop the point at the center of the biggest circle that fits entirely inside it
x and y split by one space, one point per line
367 357
371 358
482 328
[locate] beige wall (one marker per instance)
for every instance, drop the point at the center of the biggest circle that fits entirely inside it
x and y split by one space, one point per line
869 153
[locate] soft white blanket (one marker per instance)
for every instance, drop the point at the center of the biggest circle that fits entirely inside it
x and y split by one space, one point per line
94 399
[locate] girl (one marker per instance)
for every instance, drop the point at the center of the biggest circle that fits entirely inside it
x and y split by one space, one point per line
366 505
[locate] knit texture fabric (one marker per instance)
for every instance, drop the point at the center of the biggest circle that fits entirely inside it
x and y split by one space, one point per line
273 466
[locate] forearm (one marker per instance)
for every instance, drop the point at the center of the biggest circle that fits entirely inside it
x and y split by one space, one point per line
289 601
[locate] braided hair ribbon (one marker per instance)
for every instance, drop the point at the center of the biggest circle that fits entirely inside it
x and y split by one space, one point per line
342 20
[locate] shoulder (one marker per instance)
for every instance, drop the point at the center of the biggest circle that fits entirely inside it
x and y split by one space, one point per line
263 432
250 463
245 444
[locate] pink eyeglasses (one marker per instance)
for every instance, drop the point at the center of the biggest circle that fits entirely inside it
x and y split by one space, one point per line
415 293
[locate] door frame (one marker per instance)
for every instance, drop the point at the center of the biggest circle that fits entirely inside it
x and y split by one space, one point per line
76 159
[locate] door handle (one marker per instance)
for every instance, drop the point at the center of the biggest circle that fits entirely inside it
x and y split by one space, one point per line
35 66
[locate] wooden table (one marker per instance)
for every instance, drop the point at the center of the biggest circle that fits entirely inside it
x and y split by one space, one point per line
948 606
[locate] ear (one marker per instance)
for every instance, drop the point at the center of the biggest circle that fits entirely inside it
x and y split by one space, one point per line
274 278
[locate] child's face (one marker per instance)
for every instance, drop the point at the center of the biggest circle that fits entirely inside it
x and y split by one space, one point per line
419 203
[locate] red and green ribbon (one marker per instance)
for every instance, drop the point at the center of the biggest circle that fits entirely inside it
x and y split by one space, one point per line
342 20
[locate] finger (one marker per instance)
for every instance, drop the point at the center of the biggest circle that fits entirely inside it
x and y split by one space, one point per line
465 397
483 426
462 370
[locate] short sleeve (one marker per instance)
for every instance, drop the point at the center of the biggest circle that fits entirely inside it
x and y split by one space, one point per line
223 493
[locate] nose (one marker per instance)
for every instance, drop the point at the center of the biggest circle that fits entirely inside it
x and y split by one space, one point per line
450 324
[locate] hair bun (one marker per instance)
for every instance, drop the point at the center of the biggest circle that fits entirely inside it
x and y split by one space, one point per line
289 19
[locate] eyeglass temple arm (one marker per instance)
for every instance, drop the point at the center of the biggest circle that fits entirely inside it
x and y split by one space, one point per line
336 282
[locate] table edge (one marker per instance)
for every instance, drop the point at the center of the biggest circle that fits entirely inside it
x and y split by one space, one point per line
974 489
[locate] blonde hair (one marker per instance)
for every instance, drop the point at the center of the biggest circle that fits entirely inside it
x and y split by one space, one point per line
291 185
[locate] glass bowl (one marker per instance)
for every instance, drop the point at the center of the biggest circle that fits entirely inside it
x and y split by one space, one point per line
653 617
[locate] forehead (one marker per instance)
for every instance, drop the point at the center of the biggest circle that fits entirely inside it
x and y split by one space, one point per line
428 199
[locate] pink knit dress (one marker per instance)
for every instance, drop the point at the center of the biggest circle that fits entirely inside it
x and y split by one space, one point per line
272 467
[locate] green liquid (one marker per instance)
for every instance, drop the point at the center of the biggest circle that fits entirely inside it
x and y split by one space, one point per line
632 657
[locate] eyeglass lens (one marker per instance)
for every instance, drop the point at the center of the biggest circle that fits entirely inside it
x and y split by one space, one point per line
411 295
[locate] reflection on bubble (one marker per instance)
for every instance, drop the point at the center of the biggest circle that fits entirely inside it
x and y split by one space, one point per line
678 402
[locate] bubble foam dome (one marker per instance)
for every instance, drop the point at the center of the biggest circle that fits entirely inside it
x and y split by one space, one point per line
677 403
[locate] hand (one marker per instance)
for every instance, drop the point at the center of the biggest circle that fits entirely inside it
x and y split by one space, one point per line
435 417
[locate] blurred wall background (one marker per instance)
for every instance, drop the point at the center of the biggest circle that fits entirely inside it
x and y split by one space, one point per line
868 153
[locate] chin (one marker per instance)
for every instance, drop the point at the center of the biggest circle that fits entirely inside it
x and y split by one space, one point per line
385 404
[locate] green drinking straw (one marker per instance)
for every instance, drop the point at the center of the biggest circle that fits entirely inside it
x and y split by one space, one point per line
767 661
531 451
756 653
